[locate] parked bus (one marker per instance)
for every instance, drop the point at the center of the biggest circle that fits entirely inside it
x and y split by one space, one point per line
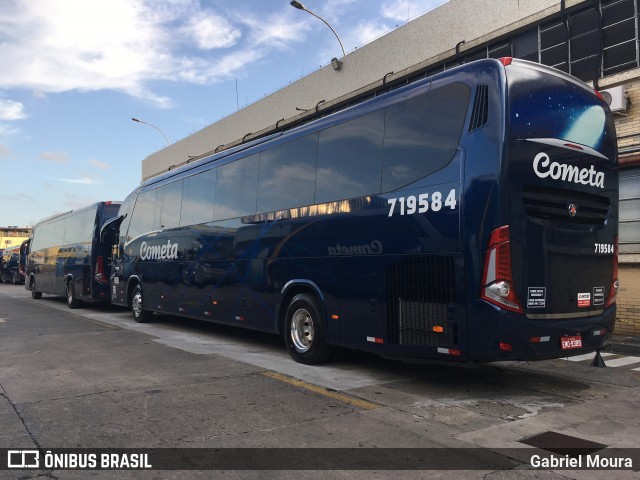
10 270
67 257
469 216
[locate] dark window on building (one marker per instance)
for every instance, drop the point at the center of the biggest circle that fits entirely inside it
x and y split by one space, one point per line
198 196
500 49
350 158
553 45
620 41
237 188
422 134
477 55
585 44
629 239
525 45
288 174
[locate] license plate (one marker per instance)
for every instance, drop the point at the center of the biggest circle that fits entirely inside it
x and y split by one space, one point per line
570 343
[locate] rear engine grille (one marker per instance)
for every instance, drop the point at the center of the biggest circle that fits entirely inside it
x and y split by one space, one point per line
554 204
418 291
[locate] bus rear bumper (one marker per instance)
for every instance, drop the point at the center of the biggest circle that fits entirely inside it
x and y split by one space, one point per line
521 338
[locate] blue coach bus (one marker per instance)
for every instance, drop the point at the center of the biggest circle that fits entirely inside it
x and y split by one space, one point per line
67 256
470 216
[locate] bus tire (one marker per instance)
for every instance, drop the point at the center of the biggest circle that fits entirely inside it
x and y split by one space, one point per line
34 294
304 331
71 296
139 314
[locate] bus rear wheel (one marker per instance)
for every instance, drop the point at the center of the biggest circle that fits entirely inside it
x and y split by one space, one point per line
139 314
34 294
71 296
304 331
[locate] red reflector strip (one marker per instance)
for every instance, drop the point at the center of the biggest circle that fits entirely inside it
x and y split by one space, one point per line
450 351
571 145
539 339
504 346
375 340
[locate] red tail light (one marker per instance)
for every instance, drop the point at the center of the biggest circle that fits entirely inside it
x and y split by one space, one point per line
497 280
613 288
100 276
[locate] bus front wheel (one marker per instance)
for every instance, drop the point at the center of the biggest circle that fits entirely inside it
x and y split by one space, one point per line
304 331
139 315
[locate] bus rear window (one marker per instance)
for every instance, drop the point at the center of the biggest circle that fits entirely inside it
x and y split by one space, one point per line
548 106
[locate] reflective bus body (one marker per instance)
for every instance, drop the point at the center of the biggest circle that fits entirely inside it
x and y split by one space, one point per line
68 258
470 216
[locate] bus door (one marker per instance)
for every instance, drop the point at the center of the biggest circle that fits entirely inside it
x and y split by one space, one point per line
24 252
113 256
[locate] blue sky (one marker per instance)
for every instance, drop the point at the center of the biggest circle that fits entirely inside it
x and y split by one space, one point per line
76 71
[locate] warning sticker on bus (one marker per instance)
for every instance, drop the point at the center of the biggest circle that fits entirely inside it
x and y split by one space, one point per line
584 299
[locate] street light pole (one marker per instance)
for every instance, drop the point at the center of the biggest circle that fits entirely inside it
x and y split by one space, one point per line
151 125
334 61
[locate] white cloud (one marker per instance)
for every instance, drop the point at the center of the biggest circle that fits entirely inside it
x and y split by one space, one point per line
7 130
56 157
84 180
58 45
10 110
98 164
211 31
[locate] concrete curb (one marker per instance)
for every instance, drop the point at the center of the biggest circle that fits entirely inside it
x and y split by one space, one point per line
624 345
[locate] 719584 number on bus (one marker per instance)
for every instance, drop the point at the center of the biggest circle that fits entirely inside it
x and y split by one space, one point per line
422 203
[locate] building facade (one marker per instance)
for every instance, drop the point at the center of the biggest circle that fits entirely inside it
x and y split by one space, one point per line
12 236
594 40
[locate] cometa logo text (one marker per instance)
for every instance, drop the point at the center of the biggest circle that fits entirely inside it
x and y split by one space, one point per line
168 251
543 167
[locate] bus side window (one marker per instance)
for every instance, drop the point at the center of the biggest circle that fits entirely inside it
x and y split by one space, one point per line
198 196
237 188
422 134
143 214
288 175
350 158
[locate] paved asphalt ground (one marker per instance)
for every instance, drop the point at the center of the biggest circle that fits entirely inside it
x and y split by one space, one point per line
91 378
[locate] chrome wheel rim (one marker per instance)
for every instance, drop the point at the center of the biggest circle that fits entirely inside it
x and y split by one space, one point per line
302 330
136 304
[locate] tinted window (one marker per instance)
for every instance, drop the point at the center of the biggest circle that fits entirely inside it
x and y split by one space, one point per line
422 134
168 201
350 158
143 212
48 235
79 227
237 188
198 196
125 209
288 175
